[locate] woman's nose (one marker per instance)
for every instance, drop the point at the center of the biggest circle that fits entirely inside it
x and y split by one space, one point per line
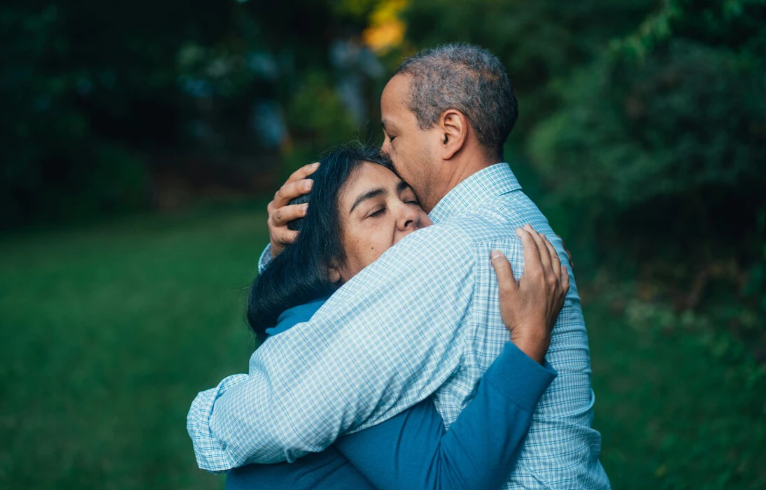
409 217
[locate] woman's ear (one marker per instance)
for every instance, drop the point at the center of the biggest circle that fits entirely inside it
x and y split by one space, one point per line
454 126
334 275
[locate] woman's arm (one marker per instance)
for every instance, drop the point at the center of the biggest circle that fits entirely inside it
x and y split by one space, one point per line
412 450
480 450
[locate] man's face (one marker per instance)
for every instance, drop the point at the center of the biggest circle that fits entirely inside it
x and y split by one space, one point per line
410 148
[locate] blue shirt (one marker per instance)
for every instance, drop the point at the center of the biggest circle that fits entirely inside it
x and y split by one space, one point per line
422 320
412 450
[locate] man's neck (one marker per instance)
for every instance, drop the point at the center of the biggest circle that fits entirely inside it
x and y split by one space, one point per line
461 171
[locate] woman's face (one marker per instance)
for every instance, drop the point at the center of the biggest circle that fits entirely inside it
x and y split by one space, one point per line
377 209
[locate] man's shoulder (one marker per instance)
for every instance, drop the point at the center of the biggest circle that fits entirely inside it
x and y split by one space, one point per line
496 221
440 236
462 236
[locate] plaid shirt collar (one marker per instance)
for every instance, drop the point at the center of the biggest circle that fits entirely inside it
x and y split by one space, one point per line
477 189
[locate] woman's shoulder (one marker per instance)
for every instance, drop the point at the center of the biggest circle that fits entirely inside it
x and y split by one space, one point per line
295 315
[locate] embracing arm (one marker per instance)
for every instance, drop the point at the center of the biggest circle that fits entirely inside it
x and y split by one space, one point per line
382 343
482 446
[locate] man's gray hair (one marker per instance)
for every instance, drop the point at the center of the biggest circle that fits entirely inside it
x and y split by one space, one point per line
469 79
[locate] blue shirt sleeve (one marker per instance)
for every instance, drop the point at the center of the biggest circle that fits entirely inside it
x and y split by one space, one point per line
412 450
328 470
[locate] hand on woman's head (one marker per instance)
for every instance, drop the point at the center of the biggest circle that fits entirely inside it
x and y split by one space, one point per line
282 212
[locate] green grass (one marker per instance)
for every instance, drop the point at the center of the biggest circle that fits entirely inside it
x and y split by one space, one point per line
108 332
673 411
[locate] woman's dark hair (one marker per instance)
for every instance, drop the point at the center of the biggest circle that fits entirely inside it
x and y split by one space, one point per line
300 274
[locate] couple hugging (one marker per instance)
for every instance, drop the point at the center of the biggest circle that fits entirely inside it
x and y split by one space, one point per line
400 352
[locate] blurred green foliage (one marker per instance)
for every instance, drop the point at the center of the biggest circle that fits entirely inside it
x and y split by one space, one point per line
642 135
682 126
93 93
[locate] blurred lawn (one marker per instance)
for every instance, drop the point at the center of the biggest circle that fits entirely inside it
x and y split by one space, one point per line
109 331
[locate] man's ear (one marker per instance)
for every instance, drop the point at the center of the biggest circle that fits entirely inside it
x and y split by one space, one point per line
454 128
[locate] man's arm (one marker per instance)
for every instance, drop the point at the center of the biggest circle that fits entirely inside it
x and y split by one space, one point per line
281 212
385 341
207 448
265 258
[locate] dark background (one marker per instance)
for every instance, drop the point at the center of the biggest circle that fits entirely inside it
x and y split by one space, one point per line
141 141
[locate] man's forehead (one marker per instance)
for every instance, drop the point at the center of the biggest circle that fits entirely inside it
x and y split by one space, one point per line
393 102
396 90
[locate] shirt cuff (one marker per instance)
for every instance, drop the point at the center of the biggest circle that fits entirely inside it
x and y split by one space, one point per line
519 377
210 452
265 259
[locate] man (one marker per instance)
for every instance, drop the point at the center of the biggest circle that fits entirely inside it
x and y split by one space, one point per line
423 319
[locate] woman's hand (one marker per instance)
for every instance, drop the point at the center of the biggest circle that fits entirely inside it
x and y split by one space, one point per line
529 307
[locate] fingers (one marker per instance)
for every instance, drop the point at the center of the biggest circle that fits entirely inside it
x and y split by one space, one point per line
285 214
285 237
290 191
532 262
555 261
302 172
564 279
504 272
545 256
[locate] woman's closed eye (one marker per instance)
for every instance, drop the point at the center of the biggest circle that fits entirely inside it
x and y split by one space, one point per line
377 212
408 197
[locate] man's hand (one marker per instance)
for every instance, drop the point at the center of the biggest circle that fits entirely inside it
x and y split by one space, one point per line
530 307
281 212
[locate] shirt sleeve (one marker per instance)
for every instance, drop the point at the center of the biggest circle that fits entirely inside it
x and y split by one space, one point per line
264 259
385 341
412 450
206 446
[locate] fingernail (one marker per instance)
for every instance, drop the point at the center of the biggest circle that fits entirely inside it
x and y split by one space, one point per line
308 185
305 207
495 254
528 226
315 165
518 232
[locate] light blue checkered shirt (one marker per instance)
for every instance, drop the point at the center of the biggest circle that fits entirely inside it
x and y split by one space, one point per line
423 319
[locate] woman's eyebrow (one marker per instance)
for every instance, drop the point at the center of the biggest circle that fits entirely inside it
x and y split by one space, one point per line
402 186
367 195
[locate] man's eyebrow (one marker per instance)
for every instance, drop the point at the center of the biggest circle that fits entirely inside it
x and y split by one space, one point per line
385 123
367 195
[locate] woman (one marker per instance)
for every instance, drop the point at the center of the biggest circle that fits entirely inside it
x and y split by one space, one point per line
359 209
